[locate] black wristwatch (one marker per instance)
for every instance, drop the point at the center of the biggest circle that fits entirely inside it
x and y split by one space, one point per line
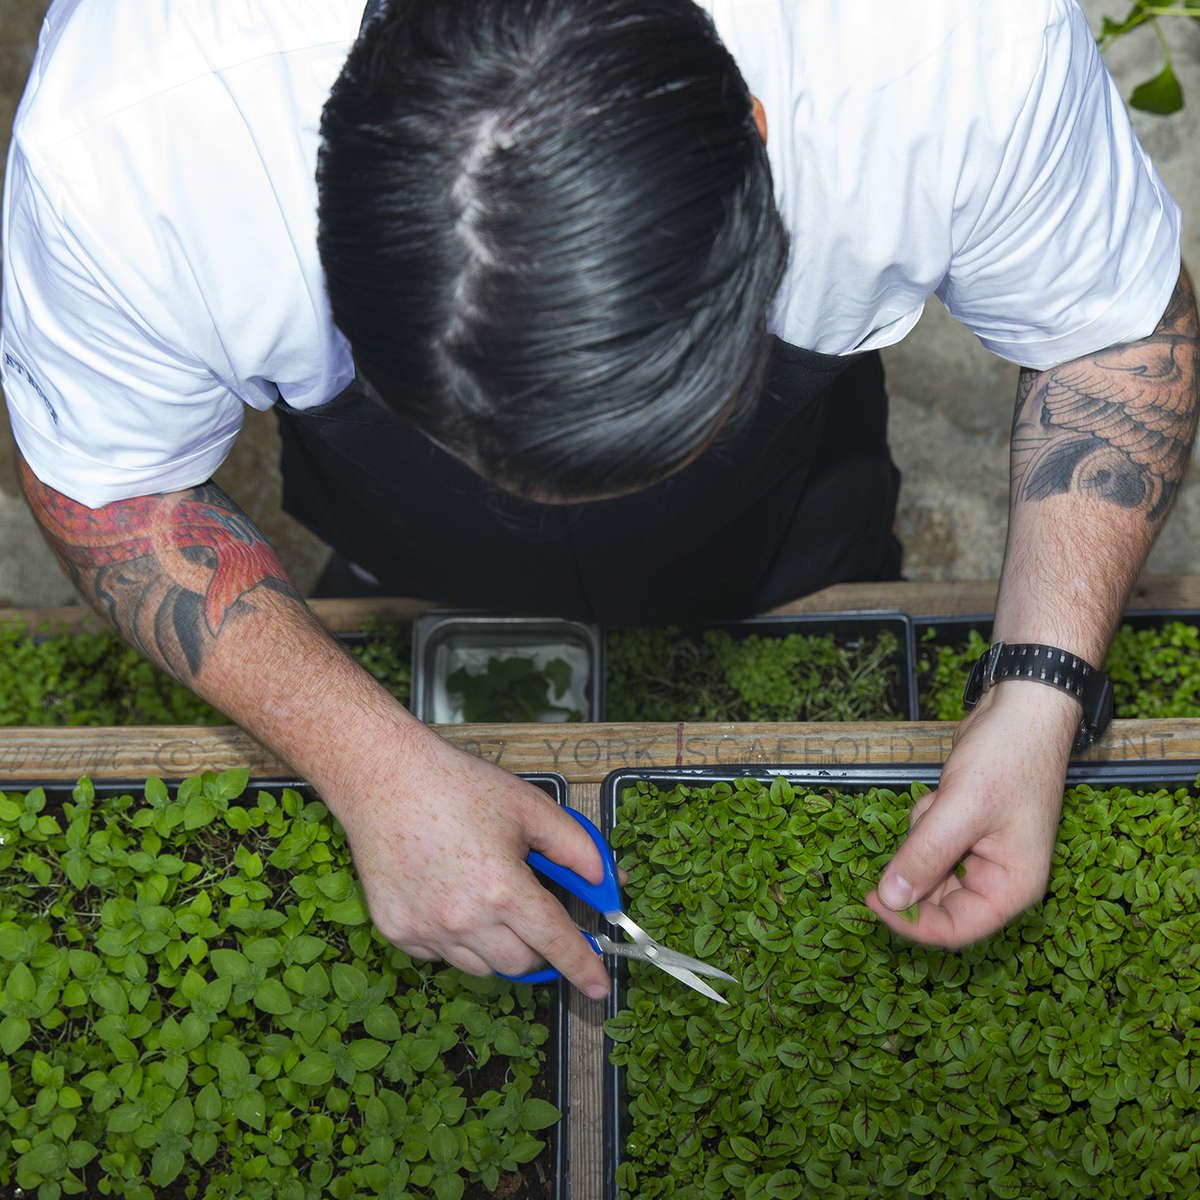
1046 664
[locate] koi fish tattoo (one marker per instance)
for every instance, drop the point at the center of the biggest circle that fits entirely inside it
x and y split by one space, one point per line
170 572
1119 424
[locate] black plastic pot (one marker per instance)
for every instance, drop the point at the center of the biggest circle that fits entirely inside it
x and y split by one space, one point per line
954 631
558 1056
846 628
1146 774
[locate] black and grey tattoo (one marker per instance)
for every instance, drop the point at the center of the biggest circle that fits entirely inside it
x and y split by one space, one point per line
1119 424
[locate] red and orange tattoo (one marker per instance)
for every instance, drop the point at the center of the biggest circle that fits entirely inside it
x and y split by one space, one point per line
169 571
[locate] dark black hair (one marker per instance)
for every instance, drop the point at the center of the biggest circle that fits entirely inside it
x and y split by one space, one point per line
549 233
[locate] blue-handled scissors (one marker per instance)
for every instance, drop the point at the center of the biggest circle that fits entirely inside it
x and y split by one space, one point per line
605 898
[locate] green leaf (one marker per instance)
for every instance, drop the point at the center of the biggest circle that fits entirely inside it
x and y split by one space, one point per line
14 1033
349 982
314 1070
1162 94
166 1165
199 811
382 1022
14 942
785 1185
272 997
230 964
20 987
208 1104
229 785
538 1114
251 1109
745 1148
367 1054
43 1161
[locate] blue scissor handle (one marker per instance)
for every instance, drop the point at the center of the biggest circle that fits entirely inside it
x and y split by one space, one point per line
604 896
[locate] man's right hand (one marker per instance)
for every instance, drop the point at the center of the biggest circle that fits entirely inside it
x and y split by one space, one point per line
439 838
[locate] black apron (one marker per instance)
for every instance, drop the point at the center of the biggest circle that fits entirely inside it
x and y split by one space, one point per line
801 497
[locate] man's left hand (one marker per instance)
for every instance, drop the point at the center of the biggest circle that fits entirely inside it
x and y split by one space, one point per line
995 812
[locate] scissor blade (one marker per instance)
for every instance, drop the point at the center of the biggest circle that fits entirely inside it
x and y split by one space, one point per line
694 981
681 966
651 951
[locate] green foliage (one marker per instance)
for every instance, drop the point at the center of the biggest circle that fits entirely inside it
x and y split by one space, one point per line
65 677
668 674
1060 1058
514 689
386 651
942 670
1161 93
194 999
1154 672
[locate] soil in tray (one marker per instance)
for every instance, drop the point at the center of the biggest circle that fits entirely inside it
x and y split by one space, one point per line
1154 668
672 674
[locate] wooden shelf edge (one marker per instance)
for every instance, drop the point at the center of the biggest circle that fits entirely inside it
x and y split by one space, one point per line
581 753
918 598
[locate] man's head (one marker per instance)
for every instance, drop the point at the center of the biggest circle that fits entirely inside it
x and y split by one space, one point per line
549 233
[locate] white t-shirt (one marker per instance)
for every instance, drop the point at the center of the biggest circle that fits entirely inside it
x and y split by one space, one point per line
159 223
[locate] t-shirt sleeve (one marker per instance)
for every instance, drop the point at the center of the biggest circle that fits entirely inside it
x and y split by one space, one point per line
1073 244
103 406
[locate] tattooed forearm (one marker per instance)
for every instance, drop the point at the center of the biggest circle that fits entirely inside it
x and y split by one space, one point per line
170 572
1118 424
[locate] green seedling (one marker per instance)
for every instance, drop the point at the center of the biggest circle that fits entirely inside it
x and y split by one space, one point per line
386 651
1058 1058
513 689
66 677
667 674
1154 672
195 1004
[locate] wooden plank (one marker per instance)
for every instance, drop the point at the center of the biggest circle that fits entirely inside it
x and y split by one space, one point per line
586 1041
969 597
581 753
917 597
342 616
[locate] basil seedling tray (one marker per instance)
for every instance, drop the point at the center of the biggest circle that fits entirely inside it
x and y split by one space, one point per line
955 631
873 1080
848 630
273 1033
445 643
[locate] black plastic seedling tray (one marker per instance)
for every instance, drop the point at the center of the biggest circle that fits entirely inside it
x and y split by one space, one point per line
954 630
558 1049
846 629
1145 774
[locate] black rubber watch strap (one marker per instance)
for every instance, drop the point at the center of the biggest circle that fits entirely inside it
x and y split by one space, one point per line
1054 667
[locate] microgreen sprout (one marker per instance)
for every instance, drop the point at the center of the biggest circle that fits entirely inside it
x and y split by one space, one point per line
1056 1059
194 1003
